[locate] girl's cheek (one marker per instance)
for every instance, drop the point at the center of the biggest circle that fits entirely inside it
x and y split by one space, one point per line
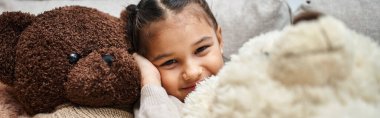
169 75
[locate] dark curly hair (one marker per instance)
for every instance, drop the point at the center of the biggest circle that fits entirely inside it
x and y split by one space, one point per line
148 11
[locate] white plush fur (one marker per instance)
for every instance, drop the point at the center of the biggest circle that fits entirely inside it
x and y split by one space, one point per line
316 69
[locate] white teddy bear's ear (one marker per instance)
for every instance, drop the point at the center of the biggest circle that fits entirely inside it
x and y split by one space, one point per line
312 53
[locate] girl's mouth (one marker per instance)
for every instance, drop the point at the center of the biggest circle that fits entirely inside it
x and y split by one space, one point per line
190 88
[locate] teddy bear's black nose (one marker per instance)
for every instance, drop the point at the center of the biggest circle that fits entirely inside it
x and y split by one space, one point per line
108 59
73 58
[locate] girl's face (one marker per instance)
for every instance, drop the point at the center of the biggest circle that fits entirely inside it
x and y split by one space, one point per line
185 49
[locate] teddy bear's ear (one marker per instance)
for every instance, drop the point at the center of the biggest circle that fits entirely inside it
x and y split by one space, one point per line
12 24
306 16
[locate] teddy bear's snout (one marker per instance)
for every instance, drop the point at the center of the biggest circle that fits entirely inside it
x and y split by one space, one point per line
107 76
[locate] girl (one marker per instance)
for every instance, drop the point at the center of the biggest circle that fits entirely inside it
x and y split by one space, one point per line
180 44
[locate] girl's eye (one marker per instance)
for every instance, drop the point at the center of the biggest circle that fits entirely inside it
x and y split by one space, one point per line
201 49
169 62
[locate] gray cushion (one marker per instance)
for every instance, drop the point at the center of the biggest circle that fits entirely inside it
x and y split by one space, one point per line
243 19
360 15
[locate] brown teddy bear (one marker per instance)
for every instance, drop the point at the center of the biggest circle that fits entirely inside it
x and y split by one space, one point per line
70 55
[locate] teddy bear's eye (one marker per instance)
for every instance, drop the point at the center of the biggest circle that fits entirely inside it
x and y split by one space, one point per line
108 59
73 58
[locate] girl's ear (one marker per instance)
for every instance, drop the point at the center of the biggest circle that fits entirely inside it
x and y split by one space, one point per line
220 38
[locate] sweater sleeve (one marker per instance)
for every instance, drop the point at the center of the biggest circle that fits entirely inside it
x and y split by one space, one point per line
156 103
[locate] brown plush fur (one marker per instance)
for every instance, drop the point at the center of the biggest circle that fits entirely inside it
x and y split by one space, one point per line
93 70
9 107
44 78
11 26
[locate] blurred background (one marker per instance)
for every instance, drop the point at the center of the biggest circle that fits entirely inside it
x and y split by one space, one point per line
112 7
240 19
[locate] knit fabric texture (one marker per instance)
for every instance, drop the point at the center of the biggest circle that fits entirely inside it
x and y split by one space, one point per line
71 111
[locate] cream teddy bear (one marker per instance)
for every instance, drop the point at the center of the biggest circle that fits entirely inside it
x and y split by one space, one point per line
314 69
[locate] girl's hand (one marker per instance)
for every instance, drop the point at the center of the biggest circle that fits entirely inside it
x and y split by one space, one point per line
149 73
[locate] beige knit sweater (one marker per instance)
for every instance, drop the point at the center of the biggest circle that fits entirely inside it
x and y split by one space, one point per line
70 111
154 103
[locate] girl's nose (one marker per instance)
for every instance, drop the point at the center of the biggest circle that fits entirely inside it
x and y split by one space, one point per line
192 73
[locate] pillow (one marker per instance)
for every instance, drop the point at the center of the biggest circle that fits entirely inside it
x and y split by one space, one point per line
3 6
359 15
243 19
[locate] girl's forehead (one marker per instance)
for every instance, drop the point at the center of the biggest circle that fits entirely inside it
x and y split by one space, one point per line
190 15
191 11
181 28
